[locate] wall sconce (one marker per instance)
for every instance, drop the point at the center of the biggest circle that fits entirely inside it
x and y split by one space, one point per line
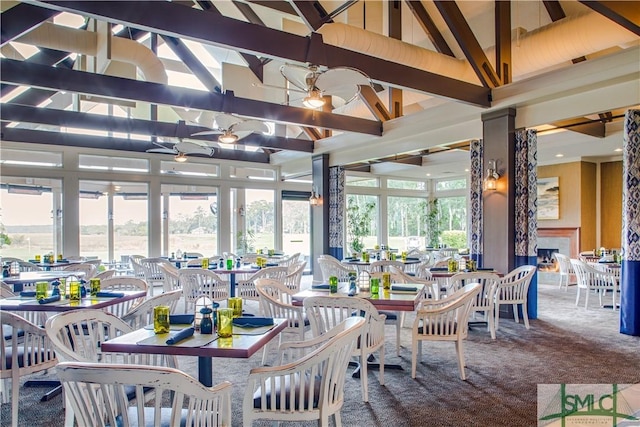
315 199
491 180
241 210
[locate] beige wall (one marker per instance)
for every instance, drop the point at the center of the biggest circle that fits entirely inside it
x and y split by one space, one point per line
611 204
577 182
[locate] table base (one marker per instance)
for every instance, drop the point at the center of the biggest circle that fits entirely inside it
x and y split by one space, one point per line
57 388
373 366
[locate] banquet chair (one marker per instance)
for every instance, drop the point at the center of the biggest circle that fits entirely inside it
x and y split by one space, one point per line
275 301
383 265
246 288
36 317
422 270
152 272
485 300
319 379
171 279
107 274
136 266
325 313
26 266
566 271
25 349
123 283
98 394
141 315
445 319
332 267
592 279
512 289
289 261
197 282
89 270
294 277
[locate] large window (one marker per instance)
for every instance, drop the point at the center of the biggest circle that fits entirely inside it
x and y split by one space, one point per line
406 222
296 224
259 216
191 213
31 217
362 222
94 219
452 212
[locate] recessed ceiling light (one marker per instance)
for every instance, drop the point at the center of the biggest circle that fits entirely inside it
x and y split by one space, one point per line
559 155
428 174
466 170
617 150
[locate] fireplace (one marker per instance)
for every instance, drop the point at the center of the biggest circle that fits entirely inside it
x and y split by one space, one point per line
546 260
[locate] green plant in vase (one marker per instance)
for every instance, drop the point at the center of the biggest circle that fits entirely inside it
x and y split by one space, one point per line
433 223
358 223
245 242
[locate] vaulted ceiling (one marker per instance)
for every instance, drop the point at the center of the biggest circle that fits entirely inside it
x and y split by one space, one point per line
435 68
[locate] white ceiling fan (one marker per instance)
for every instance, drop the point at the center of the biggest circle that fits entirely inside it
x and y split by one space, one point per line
340 82
230 128
181 149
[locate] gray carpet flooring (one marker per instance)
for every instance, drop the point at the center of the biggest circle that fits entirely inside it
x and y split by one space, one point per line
566 344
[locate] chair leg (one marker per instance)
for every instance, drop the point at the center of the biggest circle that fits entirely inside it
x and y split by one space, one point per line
491 323
515 313
381 354
398 327
338 419
364 373
460 351
414 357
15 400
525 315
578 296
586 299
496 316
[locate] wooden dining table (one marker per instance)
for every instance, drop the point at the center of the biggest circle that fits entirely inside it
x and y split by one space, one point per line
242 344
28 277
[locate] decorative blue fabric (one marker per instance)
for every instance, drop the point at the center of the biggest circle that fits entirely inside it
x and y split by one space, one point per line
630 280
252 322
336 211
475 207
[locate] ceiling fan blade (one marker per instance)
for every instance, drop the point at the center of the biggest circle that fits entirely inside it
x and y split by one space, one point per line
206 118
207 132
250 126
341 76
161 150
192 148
225 121
296 75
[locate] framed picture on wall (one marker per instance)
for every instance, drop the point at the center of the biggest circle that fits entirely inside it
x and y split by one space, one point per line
548 198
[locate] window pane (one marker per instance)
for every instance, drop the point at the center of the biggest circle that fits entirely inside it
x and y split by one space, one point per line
296 229
406 222
116 164
362 220
190 169
453 214
130 219
94 237
192 213
359 181
28 225
406 185
259 217
452 184
31 158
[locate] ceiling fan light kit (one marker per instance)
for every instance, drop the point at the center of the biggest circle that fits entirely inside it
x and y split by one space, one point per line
314 100
228 138
180 158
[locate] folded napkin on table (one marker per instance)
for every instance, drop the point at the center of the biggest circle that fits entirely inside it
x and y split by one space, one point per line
485 269
320 286
28 293
271 264
439 269
404 288
52 298
181 319
182 335
412 259
108 294
252 322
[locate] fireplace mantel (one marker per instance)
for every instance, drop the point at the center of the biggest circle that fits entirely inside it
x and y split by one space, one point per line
571 233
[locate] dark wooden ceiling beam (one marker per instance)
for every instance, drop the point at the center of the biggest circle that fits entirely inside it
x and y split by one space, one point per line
243 36
468 43
429 27
343 7
20 19
313 133
197 68
624 13
64 118
111 143
394 9
554 9
311 12
280 6
18 72
45 56
583 125
503 40
248 12
373 102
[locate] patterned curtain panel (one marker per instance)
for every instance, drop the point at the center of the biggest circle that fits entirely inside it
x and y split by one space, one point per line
630 281
336 211
526 230
476 153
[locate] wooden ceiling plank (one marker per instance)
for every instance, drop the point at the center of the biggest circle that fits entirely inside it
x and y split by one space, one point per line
18 72
624 13
243 36
312 13
429 27
373 102
583 125
554 9
197 68
468 43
